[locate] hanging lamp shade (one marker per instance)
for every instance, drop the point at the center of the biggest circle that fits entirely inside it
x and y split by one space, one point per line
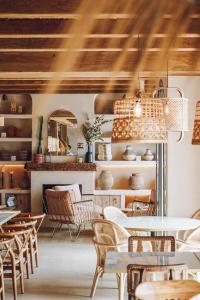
196 129
176 110
139 120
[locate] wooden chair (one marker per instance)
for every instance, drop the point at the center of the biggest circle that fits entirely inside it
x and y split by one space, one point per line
5 249
63 209
165 290
108 236
14 263
139 273
151 244
38 219
31 217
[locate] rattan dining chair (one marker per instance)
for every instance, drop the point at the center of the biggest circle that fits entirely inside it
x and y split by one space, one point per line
151 244
108 237
172 289
137 274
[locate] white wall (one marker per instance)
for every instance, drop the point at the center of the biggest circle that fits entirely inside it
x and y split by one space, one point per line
184 158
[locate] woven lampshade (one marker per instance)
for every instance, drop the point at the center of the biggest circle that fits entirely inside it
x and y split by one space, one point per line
176 111
148 128
196 129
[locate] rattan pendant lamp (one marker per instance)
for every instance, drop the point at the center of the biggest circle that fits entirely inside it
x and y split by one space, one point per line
139 120
196 129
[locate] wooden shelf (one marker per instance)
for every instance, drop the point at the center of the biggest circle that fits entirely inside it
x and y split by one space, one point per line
15 139
15 191
9 162
122 192
125 163
65 166
16 116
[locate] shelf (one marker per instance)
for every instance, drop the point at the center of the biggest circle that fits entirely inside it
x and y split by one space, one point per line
15 139
16 116
122 192
15 191
125 163
9 162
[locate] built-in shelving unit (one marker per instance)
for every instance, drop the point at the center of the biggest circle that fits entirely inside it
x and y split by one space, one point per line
16 114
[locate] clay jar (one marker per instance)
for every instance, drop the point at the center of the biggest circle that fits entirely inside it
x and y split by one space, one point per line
106 180
136 181
148 155
128 153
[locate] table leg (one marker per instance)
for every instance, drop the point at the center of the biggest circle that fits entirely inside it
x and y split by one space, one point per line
122 278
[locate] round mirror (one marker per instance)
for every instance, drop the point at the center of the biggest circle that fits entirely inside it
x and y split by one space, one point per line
62 133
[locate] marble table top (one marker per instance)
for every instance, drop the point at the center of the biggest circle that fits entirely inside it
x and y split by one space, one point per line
148 223
6 215
117 262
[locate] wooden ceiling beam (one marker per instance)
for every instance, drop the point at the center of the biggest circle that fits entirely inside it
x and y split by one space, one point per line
41 44
58 27
32 8
91 62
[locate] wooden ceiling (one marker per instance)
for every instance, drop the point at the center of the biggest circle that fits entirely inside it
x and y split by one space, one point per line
88 46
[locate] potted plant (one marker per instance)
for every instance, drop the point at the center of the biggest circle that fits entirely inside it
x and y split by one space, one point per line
92 131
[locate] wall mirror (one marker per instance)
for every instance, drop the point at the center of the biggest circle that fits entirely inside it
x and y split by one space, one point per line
62 133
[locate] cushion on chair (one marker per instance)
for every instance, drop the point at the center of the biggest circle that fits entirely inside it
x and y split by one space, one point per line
73 187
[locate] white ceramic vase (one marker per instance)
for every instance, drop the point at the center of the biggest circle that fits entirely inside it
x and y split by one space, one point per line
128 153
106 180
136 181
148 155
104 151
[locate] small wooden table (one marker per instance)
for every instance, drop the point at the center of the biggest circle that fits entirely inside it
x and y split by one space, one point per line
117 262
6 215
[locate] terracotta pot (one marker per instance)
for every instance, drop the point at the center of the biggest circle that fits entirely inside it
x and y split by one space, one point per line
38 158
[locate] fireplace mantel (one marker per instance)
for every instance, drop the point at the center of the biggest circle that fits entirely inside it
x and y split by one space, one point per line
68 166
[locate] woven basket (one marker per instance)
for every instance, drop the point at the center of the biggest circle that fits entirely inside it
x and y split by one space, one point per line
149 128
177 111
196 129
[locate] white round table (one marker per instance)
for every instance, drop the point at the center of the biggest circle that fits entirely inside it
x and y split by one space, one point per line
154 224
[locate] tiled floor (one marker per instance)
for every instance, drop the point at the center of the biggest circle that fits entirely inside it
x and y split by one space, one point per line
65 271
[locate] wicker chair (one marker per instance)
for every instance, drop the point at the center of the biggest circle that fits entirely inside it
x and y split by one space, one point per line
137 274
113 213
151 244
190 239
108 237
173 289
63 209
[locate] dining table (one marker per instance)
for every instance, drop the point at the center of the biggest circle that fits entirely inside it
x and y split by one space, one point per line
6 215
155 224
117 262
